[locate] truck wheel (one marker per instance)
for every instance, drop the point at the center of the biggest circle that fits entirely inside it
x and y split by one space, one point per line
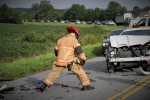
144 66
104 54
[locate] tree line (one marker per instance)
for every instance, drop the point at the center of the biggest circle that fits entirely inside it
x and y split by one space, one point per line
45 10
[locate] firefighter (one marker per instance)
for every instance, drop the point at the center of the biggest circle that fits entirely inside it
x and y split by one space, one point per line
66 50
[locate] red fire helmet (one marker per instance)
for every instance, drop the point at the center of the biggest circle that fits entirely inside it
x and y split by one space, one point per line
73 28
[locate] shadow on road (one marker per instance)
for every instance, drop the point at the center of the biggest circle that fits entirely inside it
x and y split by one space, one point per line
37 83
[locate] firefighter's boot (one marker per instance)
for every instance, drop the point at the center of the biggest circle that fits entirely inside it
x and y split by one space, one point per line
42 88
88 87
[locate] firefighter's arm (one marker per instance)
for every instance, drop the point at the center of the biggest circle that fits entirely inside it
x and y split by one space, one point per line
56 50
79 52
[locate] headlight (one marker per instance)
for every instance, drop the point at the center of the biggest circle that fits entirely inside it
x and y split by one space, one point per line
105 44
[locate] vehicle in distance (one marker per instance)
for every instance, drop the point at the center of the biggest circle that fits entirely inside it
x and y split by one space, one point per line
130 49
97 22
25 20
104 22
40 20
33 20
106 43
77 22
55 21
47 20
123 19
66 21
62 21
83 22
110 22
89 22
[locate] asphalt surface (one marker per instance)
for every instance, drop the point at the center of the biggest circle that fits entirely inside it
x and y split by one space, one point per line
121 85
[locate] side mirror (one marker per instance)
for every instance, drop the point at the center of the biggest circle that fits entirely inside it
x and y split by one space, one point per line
105 37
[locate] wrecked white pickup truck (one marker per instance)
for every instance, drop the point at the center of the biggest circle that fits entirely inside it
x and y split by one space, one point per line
130 49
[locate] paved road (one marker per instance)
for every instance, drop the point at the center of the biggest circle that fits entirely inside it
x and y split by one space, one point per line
123 85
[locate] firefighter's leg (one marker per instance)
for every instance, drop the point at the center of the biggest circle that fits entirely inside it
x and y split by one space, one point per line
52 77
82 76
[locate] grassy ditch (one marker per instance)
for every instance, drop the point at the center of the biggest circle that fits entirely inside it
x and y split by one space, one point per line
24 67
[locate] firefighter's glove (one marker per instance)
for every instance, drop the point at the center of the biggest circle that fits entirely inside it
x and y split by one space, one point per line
82 62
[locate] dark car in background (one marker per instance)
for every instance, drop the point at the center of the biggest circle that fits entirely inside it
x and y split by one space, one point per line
106 43
40 20
104 22
33 20
25 20
89 22
66 21
47 20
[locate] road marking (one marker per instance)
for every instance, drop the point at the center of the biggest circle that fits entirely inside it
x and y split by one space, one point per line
129 88
134 90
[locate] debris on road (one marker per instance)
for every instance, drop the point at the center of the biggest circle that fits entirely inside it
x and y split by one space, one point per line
62 86
91 80
3 87
125 75
25 89
88 73
72 74
40 82
6 79
134 79
8 89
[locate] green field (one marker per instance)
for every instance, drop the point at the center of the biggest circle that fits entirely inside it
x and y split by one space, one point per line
28 48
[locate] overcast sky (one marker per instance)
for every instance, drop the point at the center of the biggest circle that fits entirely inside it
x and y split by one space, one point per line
63 4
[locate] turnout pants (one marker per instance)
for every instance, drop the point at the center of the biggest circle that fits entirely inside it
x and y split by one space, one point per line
57 70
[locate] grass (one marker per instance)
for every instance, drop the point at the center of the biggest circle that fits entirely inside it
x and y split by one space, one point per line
24 67
28 48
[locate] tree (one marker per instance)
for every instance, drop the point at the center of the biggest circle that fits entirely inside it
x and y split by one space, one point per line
35 7
104 15
113 8
123 10
7 15
89 15
97 13
44 2
76 12
17 18
147 8
46 9
135 11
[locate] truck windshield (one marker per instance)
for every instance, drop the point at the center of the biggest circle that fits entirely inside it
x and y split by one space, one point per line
117 32
142 22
